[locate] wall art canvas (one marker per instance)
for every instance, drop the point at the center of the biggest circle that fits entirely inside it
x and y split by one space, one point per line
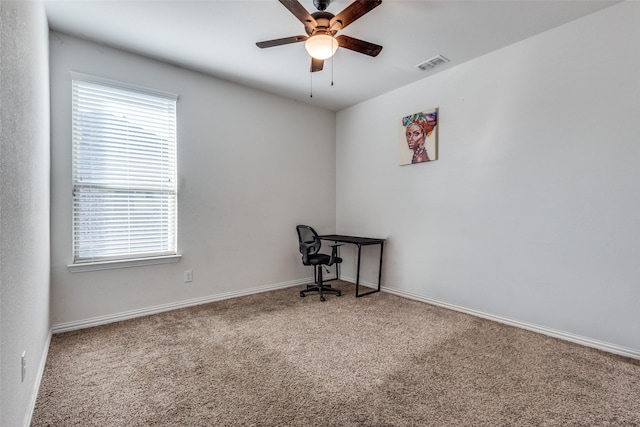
418 141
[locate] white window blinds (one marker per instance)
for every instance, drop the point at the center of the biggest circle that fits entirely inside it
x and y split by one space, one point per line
124 172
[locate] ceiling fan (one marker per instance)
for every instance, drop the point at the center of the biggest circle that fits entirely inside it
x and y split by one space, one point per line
321 27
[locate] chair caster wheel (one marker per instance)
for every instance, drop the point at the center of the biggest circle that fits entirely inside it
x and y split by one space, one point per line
322 299
339 294
302 294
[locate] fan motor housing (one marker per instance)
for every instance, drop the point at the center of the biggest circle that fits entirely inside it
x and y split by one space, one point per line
323 19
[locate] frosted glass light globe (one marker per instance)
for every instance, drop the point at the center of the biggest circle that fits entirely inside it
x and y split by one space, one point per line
321 46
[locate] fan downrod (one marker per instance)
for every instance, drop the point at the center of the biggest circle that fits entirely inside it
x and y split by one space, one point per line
321 4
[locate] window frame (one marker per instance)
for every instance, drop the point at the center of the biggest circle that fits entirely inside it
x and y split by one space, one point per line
127 258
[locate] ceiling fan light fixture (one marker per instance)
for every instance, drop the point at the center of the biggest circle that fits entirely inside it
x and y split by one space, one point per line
321 46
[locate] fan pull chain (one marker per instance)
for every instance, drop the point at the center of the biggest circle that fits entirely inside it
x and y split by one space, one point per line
310 84
332 69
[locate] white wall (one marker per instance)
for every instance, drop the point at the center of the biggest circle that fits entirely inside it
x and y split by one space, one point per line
24 205
243 159
531 213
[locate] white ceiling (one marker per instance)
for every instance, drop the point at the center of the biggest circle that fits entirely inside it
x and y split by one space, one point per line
218 37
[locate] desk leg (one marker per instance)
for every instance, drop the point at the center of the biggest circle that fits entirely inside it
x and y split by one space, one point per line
379 274
380 266
338 264
358 272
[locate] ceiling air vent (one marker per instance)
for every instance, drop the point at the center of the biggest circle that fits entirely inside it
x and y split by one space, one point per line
432 63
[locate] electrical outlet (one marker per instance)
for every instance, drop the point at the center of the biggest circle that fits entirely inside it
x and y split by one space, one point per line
188 276
23 366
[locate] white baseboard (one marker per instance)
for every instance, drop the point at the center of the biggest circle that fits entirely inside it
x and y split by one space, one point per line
588 342
36 386
126 315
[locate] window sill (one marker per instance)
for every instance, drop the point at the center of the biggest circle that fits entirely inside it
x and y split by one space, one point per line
124 263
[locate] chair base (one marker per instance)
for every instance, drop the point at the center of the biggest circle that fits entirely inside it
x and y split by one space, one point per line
321 289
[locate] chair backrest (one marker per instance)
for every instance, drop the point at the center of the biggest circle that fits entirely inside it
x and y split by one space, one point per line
309 242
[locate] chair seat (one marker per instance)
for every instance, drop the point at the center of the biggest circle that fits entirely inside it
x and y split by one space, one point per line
319 259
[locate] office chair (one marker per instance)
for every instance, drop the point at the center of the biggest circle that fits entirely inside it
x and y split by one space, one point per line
309 246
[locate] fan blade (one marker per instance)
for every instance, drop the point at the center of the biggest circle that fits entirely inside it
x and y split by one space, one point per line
358 45
352 12
280 42
316 64
300 12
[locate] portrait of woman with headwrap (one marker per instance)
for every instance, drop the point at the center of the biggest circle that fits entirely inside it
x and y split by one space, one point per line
420 136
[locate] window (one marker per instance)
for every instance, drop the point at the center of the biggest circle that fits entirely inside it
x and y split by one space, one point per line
124 172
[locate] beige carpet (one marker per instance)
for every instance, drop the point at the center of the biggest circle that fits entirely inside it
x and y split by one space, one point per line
275 359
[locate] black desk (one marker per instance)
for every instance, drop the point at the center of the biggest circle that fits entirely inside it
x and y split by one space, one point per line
359 242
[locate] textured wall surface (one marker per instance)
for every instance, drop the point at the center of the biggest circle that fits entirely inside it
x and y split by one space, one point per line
530 213
244 160
24 204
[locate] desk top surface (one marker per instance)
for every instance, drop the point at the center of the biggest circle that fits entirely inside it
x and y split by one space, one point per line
352 239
